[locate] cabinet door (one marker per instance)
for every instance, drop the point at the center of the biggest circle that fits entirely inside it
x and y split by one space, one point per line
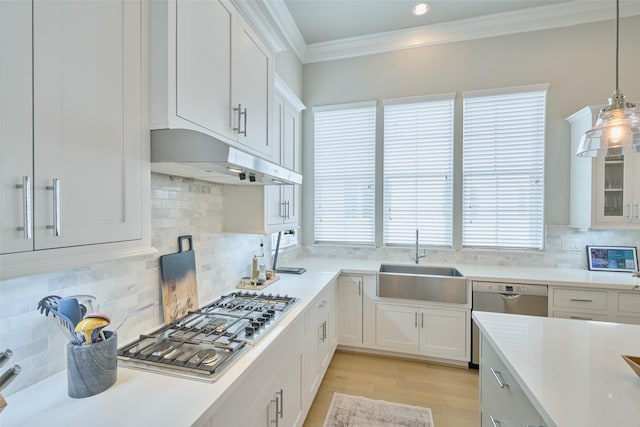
289 391
634 164
87 115
203 66
614 192
16 138
397 328
252 88
289 159
443 333
275 208
349 307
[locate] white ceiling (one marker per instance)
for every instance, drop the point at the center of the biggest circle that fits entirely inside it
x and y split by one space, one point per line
322 30
329 20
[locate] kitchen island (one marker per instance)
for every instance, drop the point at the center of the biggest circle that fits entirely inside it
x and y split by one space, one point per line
571 372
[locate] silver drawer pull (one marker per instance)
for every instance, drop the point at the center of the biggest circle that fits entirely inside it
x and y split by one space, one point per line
26 206
496 423
581 318
56 207
498 376
581 300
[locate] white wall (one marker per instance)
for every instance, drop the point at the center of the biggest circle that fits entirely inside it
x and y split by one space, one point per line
577 62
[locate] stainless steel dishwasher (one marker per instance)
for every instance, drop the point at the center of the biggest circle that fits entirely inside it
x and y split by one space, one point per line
514 298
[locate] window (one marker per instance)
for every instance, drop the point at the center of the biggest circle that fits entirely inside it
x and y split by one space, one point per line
418 168
344 173
503 168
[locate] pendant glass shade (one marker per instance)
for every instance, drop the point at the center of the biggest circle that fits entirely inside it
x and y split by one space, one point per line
616 132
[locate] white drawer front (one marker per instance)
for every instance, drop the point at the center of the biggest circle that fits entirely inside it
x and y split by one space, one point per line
629 319
576 298
629 302
580 316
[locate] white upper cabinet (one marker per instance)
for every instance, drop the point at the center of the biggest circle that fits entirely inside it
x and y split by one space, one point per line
605 191
82 162
210 72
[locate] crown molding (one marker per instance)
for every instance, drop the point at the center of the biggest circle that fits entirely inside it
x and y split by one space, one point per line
287 25
288 95
565 14
261 24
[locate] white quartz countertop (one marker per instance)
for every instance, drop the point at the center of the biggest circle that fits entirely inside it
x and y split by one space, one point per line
549 276
571 370
141 398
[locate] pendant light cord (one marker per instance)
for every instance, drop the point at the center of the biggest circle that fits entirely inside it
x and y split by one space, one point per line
617 37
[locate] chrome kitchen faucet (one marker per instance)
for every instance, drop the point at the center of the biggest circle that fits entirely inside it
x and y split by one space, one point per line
418 255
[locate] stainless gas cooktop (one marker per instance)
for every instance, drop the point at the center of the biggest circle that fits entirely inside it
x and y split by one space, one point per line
202 344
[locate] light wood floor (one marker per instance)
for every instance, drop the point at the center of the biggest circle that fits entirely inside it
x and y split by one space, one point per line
451 393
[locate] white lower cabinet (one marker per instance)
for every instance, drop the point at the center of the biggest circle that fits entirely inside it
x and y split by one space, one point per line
349 309
427 331
502 401
320 340
603 305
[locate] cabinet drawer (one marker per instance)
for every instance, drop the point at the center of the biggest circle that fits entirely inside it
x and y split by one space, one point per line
629 319
512 405
629 302
576 298
580 316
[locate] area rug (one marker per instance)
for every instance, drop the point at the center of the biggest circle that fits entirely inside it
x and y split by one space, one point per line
355 411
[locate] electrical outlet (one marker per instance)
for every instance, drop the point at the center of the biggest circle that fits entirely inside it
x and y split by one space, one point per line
571 245
334 252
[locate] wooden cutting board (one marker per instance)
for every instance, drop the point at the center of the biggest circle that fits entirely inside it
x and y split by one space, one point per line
179 284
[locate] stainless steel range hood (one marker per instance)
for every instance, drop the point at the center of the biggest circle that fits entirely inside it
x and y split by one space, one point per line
192 154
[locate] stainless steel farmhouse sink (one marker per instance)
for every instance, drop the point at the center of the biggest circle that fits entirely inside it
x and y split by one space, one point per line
440 284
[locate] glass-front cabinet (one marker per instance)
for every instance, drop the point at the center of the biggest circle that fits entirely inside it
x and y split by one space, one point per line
605 191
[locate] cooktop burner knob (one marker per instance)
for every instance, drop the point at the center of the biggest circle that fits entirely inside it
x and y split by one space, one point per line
255 325
271 312
260 320
248 331
266 316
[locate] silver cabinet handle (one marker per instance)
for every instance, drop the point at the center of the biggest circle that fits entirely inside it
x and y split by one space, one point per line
240 114
26 206
56 207
638 211
498 376
283 209
416 319
324 331
281 393
288 209
581 300
422 319
496 423
581 318
275 402
629 211
359 288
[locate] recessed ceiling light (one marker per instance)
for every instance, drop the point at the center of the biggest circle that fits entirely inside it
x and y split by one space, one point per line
421 8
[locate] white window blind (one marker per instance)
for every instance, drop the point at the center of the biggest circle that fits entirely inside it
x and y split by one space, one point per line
344 173
418 168
503 168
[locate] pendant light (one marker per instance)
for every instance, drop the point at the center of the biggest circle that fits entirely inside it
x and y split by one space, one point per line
617 129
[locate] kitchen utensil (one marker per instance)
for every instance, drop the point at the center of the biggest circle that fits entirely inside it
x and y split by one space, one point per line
9 375
49 304
131 313
97 315
46 304
5 355
179 285
85 301
87 326
70 307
